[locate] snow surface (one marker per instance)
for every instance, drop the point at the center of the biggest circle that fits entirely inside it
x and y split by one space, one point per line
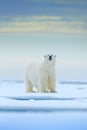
66 109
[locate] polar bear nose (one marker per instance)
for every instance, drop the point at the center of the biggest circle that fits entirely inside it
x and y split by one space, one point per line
50 57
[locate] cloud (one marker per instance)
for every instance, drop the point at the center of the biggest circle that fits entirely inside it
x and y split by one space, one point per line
44 24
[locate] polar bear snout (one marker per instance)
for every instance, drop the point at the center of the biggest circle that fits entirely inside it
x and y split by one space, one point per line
50 57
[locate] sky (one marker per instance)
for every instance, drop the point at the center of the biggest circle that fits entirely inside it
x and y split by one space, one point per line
29 29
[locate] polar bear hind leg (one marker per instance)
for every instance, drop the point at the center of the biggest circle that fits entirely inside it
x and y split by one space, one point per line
29 87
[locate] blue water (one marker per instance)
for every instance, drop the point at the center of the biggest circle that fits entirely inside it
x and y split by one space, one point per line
43 121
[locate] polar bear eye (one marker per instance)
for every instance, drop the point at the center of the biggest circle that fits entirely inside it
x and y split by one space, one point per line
48 57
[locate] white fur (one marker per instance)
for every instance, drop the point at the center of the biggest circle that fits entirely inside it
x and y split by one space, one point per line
42 76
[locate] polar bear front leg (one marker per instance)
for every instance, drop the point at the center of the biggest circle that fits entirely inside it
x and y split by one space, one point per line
42 81
42 85
52 84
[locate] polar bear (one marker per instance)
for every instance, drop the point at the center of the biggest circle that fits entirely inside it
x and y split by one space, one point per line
42 76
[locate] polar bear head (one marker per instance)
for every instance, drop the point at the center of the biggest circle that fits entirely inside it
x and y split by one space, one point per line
50 60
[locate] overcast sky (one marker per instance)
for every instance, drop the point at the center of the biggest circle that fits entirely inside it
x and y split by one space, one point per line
30 29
